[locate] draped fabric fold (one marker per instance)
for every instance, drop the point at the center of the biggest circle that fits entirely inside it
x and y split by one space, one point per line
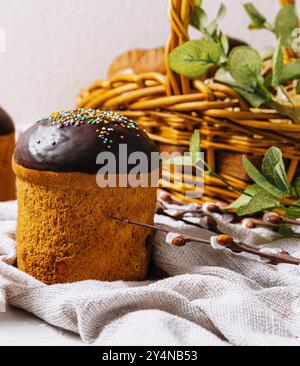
207 297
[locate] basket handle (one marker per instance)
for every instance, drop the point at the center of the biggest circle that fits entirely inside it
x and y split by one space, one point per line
286 2
179 16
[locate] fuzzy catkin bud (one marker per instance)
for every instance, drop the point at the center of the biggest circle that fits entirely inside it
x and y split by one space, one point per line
221 242
175 239
194 207
165 197
212 208
179 242
274 219
177 214
249 224
269 214
225 240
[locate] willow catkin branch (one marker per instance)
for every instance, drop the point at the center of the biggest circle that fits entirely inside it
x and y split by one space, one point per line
179 216
223 240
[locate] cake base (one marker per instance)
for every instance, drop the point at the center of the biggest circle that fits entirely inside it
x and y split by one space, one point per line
7 178
66 234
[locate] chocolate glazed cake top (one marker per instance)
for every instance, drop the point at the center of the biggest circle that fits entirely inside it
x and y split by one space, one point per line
6 123
71 142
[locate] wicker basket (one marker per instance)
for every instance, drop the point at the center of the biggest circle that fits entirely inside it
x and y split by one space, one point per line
170 107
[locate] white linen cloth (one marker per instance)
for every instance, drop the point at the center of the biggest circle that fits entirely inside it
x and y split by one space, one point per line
210 298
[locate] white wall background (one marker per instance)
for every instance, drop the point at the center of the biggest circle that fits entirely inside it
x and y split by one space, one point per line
56 47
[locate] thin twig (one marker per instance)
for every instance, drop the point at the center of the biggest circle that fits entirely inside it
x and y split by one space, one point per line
162 229
291 222
263 224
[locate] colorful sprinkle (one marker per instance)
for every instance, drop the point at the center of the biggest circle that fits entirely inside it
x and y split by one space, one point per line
81 117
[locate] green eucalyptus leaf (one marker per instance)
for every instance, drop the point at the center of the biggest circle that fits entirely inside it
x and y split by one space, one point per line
272 157
221 12
290 71
268 81
274 170
224 76
297 186
255 96
293 212
241 201
245 65
244 199
194 58
285 23
280 179
260 202
213 26
195 147
267 53
291 111
277 65
224 41
185 160
258 20
198 19
260 180
198 3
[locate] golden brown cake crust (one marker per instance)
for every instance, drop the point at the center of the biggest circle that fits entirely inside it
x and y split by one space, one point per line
65 233
7 178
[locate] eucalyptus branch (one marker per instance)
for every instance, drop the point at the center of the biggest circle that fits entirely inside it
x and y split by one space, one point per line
241 67
269 27
286 21
271 190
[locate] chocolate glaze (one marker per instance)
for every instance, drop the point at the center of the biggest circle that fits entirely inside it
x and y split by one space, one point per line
6 123
47 147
